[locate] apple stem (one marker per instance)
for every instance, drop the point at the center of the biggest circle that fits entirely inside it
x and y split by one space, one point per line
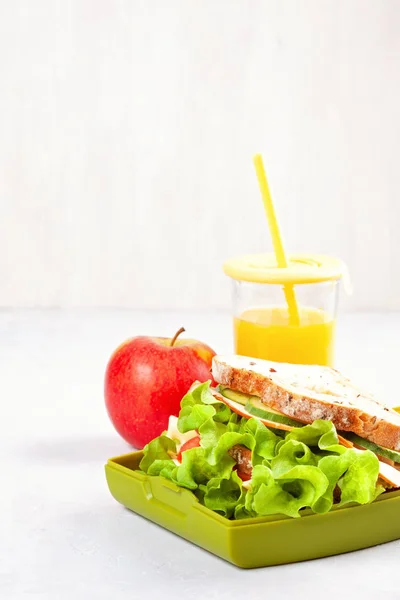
178 333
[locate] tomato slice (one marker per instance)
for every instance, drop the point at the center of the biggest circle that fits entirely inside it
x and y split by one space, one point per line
192 443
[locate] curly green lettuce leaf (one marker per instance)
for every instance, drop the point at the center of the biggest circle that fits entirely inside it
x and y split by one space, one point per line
161 448
355 473
265 440
303 468
268 496
224 495
286 494
320 434
164 468
291 454
198 406
196 470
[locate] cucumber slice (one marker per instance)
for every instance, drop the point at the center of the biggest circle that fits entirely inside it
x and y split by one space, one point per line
359 441
255 407
242 399
261 410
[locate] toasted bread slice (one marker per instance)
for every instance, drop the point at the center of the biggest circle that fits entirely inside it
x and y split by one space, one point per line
311 392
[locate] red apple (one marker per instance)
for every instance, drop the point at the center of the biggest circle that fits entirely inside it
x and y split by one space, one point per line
146 378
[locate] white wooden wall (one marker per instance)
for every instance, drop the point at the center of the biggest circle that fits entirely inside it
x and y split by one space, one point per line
127 129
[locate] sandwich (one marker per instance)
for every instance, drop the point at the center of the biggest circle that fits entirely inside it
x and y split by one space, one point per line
278 439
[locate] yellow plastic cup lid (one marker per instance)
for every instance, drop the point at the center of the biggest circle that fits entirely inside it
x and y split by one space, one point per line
302 268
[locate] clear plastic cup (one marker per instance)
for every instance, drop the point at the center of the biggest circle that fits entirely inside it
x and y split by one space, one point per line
266 326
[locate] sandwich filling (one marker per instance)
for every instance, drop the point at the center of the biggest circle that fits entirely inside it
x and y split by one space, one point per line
256 407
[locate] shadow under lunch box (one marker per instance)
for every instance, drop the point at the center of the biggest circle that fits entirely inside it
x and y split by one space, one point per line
259 542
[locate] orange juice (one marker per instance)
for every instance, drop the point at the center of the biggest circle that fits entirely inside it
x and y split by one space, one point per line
266 333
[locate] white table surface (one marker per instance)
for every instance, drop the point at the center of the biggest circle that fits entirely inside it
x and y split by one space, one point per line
62 536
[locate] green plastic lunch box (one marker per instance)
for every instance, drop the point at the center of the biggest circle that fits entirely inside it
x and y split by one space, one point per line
259 542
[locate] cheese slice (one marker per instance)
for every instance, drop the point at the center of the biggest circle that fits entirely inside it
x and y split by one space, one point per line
174 433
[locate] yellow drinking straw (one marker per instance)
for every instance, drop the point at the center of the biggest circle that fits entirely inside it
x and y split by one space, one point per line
294 317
